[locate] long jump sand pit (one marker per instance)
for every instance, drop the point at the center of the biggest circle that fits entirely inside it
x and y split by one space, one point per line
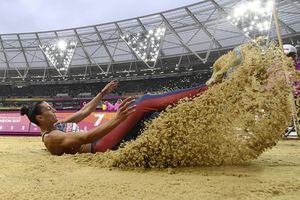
28 171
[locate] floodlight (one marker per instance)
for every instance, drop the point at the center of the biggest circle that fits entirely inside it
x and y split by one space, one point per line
60 53
253 17
62 45
146 44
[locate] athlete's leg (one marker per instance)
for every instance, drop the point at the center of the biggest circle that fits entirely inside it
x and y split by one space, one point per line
158 102
137 129
145 104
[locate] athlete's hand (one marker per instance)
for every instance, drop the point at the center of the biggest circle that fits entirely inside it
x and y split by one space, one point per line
124 109
110 87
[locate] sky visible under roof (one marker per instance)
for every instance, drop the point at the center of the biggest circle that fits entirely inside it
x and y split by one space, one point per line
19 16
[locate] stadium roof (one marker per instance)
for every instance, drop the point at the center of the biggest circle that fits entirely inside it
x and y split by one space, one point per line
193 32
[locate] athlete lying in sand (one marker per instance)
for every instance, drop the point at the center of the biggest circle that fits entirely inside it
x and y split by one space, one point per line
105 137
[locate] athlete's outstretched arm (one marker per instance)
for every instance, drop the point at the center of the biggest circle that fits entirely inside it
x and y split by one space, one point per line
56 142
91 106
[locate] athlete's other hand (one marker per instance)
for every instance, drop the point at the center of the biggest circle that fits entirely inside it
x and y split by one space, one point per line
124 109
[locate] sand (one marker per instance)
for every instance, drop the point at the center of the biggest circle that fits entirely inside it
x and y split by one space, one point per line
28 171
232 122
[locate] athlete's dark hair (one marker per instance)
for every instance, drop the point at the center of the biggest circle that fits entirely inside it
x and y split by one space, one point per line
32 111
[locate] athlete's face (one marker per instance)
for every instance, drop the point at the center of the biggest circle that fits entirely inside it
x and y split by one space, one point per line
48 113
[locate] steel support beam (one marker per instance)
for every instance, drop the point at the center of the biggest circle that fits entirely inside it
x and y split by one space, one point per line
179 38
4 53
203 27
46 60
